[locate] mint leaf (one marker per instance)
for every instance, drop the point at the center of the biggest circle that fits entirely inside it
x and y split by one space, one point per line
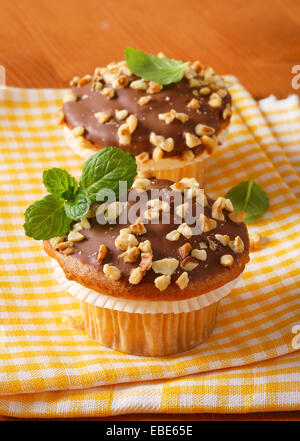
46 219
161 70
78 207
60 183
248 196
105 169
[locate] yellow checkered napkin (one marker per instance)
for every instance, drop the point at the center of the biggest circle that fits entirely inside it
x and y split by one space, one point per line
49 369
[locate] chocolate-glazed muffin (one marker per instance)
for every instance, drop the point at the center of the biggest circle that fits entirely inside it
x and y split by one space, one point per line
170 129
149 287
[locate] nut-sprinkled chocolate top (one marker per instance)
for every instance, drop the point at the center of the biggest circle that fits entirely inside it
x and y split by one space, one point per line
115 107
162 255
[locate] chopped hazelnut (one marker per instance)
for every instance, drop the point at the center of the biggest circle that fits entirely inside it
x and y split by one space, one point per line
124 134
121 114
181 209
120 82
113 211
187 155
109 92
193 104
236 245
202 129
167 117
209 143
215 100
142 158
257 241
205 90
151 214
183 280
227 112
182 117
102 117
78 131
166 144
216 209
131 255
125 240
146 260
75 236
132 123
199 254
112 272
201 198
154 87
237 216
222 92
136 276
213 243
223 239
157 154
228 205
145 246
195 82
70 97
102 253
70 250
227 260
56 240
84 80
138 229
165 266
141 184
162 282
139 84
185 250
173 235
189 263
206 223
192 140
144 100
159 205
185 230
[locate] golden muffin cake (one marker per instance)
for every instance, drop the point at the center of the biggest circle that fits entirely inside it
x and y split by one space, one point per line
144 270
170 119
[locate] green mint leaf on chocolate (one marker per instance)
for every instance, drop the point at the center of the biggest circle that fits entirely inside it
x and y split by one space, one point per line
46 219
105 169
60 183
77 208
161 70
248 196
52 216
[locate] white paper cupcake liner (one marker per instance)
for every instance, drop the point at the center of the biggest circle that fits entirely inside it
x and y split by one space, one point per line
84 294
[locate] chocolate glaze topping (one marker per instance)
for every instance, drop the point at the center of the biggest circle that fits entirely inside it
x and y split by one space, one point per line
86 251
174 96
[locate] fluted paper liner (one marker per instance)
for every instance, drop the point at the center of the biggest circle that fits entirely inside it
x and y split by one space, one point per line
87 295
144 327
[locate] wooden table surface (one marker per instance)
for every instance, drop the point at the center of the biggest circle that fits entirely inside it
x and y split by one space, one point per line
45 43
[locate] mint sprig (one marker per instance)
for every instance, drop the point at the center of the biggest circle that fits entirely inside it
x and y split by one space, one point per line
162 70
60 183
248 196
46 218
70 200
79 206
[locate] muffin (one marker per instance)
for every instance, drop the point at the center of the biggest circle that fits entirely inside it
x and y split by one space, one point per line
170 129
150 287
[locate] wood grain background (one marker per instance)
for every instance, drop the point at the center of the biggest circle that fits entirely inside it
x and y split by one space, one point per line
44 43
